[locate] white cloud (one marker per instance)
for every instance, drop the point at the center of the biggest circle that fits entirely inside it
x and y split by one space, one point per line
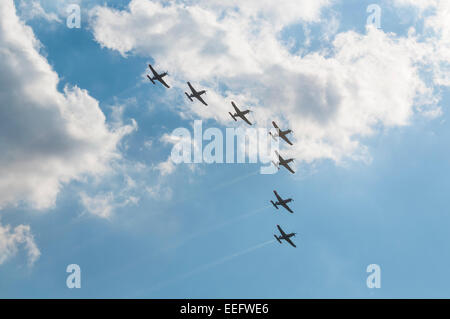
33 10
148 144
103 205
281 13
435 34
47 137
439 23
12 239
159 192
165 168
330 98
420 4
100 205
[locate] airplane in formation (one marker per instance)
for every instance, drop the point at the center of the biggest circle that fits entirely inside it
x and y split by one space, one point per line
280 133
239 113
283 162
157 77
282 202
196 94
284 236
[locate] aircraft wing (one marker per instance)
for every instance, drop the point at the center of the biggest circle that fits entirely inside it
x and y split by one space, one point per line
155 74
275 125
286 139
235 107
160 79
287 208
278 196
200 99
283 234
190 86
288 168
290 242
245 119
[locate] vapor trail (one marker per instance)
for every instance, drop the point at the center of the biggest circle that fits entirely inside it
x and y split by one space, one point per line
207 231
219 226
209 265
210 190
230 257
233 181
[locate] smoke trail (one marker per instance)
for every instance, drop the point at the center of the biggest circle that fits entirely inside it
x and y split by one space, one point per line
230 257
210 190
208 266
233 181
219 226
204 232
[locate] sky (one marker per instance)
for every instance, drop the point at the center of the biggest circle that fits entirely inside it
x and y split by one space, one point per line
86 175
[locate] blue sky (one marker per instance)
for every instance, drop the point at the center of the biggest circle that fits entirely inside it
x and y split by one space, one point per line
207 232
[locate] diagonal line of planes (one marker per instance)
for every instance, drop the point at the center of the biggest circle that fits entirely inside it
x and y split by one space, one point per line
242 115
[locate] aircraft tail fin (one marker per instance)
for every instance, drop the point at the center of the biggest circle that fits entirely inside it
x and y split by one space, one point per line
232 116
277 238
151 79
274 205
189 97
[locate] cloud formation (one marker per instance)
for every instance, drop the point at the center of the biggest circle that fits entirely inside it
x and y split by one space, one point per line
12 239
361 84
33 10
47 137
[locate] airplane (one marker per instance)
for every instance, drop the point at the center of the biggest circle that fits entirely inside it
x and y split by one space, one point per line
282 202
195 94
239 113
281 133
284 236
283 162
157 77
